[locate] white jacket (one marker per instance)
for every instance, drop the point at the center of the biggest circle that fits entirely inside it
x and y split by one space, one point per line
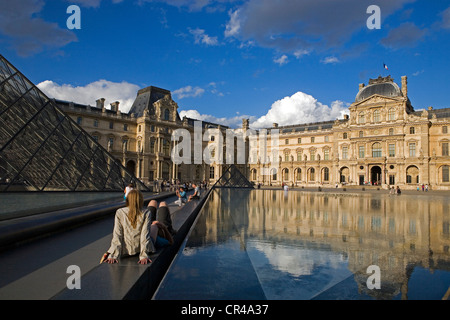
128 240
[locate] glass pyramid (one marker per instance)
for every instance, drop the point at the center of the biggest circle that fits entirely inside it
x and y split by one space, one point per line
43 149
233 178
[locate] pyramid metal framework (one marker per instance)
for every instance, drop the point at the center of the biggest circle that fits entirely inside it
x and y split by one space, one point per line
233 178
43 149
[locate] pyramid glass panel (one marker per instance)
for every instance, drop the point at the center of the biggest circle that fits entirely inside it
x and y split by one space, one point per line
43 149
233 178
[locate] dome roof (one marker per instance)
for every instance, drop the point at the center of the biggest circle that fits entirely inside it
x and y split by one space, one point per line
385 87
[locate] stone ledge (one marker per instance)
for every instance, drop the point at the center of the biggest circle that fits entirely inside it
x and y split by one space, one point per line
17 231
128 280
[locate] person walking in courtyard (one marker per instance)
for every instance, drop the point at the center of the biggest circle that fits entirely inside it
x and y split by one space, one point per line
131 233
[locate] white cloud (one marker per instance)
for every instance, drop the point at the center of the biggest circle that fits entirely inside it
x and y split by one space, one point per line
329 60
301 52
300 108
188 92
202 38
123 92
281 60
297 109
233 26
231 122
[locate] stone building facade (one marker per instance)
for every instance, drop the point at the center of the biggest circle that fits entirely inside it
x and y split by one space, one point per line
383 141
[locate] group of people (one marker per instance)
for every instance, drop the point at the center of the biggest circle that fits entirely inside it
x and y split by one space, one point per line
174 185
138 230
393 190
182 196
424 187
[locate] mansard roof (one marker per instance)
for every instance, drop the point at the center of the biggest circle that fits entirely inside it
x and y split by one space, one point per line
146 98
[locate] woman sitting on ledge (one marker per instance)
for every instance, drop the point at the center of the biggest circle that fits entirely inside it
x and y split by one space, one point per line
131 234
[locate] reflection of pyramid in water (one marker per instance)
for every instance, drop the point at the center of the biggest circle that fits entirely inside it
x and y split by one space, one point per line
233 178
43 149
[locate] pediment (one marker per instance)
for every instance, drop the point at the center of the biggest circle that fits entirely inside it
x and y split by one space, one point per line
377 99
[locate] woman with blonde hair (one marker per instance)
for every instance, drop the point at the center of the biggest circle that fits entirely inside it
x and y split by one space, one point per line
131 234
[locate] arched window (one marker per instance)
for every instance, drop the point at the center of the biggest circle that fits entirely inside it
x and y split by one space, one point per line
166 114
376 150
326 174
376 116
298 174
391 114
361 118
445 174
312 174
286 174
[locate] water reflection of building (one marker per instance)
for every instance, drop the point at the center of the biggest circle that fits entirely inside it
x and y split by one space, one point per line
395 233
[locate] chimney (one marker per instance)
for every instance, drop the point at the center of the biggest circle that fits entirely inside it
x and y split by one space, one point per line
405 86
245 124
115 107
101 103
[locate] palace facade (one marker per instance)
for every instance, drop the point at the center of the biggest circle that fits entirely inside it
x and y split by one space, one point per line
383 141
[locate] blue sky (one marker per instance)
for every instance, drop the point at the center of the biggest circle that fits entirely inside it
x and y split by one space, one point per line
284 61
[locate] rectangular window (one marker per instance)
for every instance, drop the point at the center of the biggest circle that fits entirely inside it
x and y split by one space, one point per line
326 154
96 123
286 157
391 179
445 149
391 150
313 157
79 120
327 139
299 140
125 127
211 172
445 174
444 129
313 139
412 149
111 143
344 152
286 141
299 156
362 151
111 125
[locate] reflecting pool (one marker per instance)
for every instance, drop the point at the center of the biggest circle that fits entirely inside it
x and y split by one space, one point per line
277 245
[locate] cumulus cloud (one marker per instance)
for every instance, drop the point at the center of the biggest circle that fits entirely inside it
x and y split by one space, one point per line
123 92
27 34
202 38
231 122
300 108
289 25
188 92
